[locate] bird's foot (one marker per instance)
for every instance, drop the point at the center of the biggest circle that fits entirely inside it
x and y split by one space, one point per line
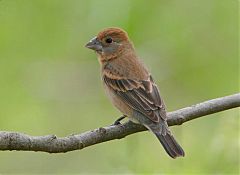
117 122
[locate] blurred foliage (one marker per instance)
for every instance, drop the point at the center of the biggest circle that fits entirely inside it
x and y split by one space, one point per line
50 84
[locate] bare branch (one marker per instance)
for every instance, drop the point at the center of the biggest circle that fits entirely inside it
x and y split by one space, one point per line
53 144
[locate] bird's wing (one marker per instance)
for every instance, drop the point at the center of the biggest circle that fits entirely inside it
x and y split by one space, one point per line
142 96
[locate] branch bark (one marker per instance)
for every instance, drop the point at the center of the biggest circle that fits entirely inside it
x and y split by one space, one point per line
53 144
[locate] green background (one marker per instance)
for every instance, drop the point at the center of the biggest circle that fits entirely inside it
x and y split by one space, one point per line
50 83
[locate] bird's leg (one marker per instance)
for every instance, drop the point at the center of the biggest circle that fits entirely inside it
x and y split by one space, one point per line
117 122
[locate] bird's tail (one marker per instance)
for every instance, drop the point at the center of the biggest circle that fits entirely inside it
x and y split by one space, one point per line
169 143
163 134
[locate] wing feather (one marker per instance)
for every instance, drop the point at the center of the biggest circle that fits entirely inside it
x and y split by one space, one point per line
142 96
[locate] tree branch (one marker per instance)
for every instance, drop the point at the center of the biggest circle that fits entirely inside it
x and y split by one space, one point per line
53 144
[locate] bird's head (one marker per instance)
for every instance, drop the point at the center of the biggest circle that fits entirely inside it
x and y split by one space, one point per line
110 42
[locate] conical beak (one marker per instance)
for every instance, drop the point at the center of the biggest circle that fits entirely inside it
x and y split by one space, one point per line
94 44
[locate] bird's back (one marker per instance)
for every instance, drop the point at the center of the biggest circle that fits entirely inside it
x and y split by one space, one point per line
126 66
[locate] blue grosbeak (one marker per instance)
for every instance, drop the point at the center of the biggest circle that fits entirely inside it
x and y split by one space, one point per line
131 87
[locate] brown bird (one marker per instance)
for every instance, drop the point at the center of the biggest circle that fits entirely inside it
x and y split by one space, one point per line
131 87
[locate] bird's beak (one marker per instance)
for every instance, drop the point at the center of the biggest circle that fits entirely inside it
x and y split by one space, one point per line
94 44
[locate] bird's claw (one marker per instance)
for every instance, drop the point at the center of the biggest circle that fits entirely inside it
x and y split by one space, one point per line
117 122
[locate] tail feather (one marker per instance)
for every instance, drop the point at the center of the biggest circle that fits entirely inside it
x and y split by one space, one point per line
170 145
161 130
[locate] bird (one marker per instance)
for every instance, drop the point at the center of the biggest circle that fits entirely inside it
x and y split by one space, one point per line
130 86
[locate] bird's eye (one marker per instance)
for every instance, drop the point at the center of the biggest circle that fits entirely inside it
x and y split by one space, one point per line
109 40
